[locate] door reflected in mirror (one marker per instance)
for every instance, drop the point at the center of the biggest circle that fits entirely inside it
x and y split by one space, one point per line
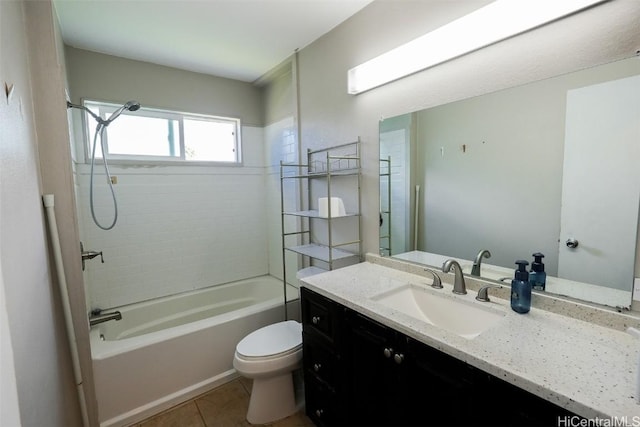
519 171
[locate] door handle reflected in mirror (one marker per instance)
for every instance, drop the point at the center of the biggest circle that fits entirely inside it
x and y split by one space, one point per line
572 243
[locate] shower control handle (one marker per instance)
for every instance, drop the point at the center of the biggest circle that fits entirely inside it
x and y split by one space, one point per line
87 255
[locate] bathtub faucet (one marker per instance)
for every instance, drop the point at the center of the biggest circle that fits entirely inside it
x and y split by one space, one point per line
96 317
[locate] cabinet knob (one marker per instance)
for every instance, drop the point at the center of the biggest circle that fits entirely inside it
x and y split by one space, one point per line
317 366
319 412
315 320
399 358
388 352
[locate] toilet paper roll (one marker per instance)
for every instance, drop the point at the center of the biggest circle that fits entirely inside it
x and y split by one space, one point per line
337 207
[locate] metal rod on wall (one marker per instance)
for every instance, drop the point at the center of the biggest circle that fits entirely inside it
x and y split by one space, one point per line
415 219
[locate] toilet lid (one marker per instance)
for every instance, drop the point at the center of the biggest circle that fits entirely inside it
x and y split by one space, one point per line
271 340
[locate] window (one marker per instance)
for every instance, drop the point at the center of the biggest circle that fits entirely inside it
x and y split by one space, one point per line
159 135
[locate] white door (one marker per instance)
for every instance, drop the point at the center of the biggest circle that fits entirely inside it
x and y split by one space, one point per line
601 184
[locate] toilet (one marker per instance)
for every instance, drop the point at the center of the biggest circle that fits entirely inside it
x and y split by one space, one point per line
269 356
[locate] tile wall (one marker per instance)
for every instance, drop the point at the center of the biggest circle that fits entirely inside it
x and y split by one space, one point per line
180 228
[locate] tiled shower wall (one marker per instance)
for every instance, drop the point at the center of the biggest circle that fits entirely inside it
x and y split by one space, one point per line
179 228
282 144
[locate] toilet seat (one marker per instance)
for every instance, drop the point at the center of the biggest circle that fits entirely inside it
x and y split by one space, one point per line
272 341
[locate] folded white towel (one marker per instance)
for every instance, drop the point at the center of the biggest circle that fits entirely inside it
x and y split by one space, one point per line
337 207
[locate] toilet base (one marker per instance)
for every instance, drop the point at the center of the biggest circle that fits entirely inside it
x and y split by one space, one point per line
271 399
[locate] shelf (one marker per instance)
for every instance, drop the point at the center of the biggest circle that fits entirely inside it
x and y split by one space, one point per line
309 271
321 252
314 178
316 214
324 174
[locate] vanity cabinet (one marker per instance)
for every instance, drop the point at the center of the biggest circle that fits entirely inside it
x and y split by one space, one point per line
358 371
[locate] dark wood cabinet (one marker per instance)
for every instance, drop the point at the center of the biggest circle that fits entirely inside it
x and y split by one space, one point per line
358 371
375 355
323 361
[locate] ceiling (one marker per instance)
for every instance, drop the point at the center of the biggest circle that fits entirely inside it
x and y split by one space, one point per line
238 39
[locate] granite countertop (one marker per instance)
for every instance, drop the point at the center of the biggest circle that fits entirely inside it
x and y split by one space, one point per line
588 369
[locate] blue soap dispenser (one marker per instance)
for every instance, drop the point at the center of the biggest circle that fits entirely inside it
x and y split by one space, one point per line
521 289
537 276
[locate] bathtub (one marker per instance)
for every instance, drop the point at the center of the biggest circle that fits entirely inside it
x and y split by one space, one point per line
172 349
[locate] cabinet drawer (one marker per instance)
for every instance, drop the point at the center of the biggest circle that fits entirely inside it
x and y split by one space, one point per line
320 361
322 405
376 332
320 315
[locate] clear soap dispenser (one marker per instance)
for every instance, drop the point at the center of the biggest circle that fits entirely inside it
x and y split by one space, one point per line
537 276
521 289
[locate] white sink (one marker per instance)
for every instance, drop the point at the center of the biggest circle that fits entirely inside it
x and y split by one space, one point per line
463 316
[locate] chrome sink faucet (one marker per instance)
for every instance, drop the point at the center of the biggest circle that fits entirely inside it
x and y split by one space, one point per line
459 287
484 253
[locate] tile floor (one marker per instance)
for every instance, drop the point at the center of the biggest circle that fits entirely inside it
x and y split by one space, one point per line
225 406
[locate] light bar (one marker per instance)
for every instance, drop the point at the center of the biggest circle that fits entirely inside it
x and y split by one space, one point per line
490 24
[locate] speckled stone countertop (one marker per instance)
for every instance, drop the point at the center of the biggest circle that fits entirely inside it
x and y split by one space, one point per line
587 368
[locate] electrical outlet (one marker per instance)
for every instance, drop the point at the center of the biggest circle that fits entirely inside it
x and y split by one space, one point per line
636 289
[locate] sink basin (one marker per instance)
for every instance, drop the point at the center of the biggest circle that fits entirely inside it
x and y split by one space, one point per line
467 319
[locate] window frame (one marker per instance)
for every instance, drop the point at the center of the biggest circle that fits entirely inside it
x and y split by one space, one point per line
105 109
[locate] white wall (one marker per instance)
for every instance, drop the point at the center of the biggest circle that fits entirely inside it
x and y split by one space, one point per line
110 78
329 115
9 406
43 377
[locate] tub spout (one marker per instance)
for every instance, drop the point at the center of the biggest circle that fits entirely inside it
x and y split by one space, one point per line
97 318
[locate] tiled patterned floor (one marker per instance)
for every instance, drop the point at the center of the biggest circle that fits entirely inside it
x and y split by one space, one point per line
225 406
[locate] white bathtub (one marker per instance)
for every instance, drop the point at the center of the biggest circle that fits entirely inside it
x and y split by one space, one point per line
171 349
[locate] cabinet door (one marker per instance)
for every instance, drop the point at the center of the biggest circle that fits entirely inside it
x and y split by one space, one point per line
377 376
442 390
524 408
321 316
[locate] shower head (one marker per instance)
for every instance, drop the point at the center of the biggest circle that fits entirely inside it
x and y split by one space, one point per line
130 106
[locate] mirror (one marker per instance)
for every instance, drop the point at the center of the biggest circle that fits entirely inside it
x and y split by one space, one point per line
527 169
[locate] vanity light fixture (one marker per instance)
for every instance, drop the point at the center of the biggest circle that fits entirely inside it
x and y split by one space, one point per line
497 21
